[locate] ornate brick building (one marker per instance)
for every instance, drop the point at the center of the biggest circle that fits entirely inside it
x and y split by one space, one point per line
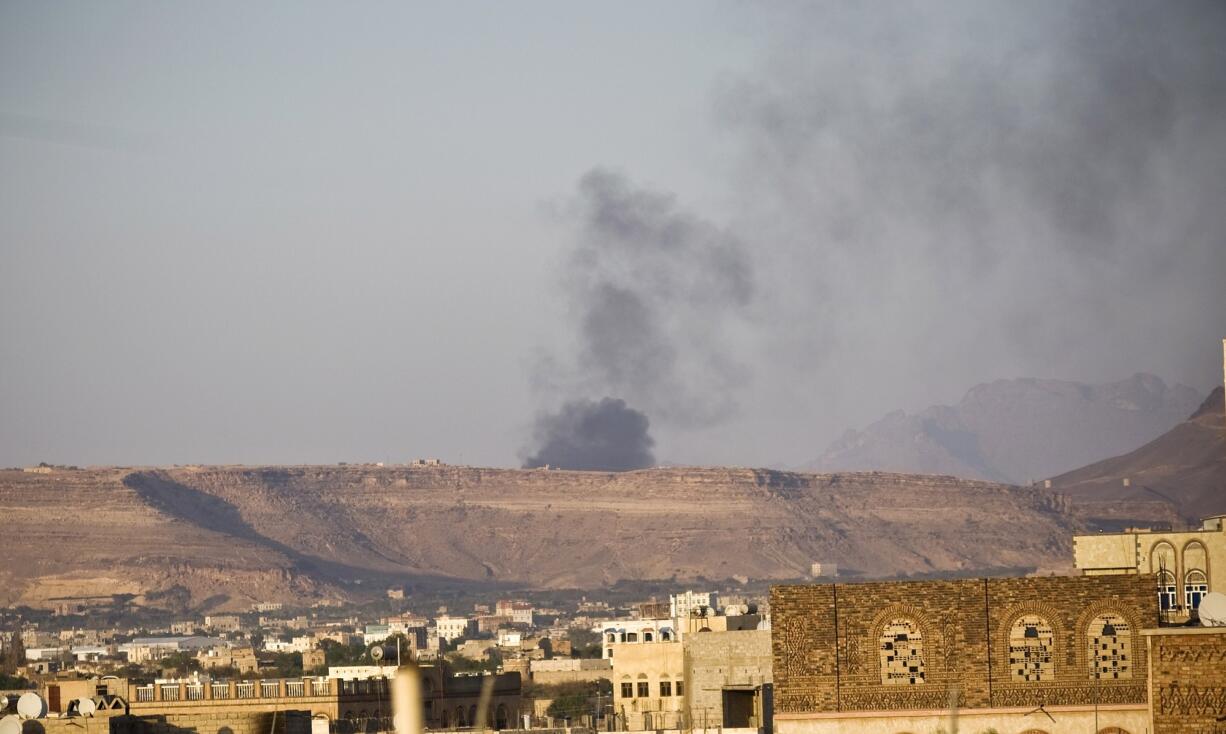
1013 654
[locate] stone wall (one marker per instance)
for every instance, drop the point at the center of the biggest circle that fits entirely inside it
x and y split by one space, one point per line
1188 681
972 643
716 660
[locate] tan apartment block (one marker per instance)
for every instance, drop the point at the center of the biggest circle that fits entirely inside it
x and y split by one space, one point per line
1185 565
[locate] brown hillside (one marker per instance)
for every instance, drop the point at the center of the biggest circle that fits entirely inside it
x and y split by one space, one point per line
293 532
1178 477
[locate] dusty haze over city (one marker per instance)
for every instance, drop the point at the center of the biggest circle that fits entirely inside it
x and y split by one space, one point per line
714 233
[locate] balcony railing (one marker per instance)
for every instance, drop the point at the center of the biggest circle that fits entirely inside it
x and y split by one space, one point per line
253 689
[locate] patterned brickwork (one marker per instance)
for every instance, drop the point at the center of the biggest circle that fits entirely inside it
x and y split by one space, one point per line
964 640
1189 682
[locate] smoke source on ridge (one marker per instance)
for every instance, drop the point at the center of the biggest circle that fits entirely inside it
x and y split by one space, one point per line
606 435
655 291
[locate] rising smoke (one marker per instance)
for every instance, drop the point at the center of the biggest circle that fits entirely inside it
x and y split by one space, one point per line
600 436
654 289
938 195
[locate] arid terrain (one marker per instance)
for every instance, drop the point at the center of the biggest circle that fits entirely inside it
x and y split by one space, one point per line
1016 431
1178 477
236 534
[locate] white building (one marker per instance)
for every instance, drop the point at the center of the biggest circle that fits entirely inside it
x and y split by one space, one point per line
453 628
619 631
693 603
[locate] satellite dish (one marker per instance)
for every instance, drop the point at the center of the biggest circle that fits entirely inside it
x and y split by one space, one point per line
10 725
1212 609
376 653
86 706
31 706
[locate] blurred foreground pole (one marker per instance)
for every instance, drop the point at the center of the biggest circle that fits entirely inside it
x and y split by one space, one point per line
407 703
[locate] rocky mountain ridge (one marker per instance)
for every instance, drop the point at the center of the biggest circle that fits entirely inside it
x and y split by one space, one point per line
1016 431
233 535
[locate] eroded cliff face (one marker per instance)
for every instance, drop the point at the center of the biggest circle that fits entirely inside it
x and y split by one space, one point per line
86 533
299 532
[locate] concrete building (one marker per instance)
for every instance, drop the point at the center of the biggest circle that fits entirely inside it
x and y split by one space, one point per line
616 632
1183 565
288 706
570 670
1058 655
520 612
693 603
223 623
648 685
728 680
453 628
241 659
147 649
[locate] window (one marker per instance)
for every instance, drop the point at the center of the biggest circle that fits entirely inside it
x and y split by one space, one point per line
902 653
1166 591
666 688
680 688
1110 647
1194 588
646 637
644 689
627 690
1030 649
610 651
612 637
666 635
632 637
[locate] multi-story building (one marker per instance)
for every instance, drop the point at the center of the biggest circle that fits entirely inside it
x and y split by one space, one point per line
616 632
648 685
1060 655
693 603
453 628
520 612
223 623
1184 565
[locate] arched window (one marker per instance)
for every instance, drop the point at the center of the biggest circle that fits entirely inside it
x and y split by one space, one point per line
666 635
647 637
902 653
1030 649
1195 586
1109 641
1166 591
1162 557
612 637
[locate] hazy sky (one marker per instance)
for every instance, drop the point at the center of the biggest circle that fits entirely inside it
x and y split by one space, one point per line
306 232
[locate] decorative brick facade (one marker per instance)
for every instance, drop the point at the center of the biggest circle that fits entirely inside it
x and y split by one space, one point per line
971 643
1188 680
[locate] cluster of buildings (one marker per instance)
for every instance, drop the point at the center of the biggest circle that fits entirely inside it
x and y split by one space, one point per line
1116 649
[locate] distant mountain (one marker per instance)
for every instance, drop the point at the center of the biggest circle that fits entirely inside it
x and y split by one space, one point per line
197 538
1179 476
1016 431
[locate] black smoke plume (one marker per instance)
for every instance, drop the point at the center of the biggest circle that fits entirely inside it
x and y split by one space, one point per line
600 436
654 290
